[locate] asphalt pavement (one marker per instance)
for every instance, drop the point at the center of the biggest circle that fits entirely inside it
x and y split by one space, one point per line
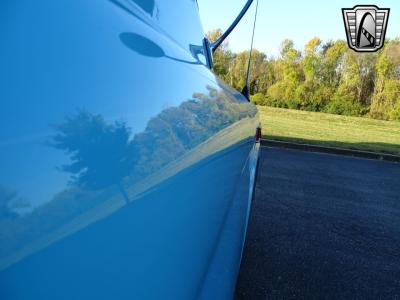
322 226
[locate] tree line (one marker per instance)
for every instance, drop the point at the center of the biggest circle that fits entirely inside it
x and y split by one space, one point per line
323 77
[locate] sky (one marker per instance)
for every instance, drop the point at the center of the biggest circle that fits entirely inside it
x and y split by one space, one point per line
297 20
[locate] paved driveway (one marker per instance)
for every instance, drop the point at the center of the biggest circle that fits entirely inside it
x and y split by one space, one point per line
322 227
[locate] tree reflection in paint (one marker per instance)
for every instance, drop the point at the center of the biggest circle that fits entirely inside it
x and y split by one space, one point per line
103 156
101 153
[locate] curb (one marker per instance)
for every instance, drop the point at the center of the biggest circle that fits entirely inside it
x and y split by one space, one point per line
331 150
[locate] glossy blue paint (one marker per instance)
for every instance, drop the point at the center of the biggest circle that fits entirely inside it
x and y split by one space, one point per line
127 167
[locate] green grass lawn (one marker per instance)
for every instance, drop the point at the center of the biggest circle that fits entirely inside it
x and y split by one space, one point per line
330 130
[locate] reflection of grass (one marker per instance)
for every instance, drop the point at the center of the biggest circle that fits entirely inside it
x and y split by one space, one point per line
331 130
113 201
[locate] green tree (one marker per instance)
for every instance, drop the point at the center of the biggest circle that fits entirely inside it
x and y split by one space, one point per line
355 85
386 99
332 62
282 92
311 93
258 71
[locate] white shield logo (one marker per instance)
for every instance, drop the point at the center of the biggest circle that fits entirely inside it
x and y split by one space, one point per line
365 27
